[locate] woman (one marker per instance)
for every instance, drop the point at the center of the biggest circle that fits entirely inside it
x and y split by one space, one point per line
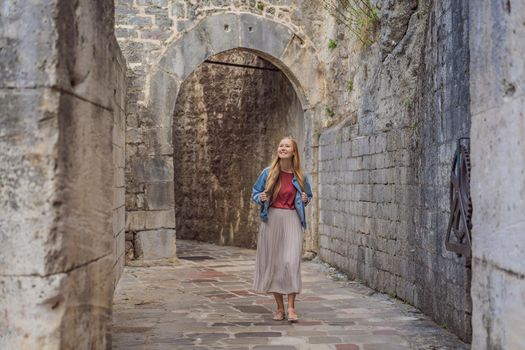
282 191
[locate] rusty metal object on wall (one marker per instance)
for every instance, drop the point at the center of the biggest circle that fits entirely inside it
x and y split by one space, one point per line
459 237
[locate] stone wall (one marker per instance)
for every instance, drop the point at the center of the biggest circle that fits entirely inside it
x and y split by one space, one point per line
163 43
498 167
379 134
384 173
62 87
228 122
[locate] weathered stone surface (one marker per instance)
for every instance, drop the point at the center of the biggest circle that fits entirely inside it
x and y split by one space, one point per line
38 308
498 167
22 22
383 178
500 210
505 79
24 301
302 67
164 89
156 169
159 195
183 56
61 142
142 220
91 175
157 141
264 35
395 17
81 73
222 31
157 244
27 153
496 318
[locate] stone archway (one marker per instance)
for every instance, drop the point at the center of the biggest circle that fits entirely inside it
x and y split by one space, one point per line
294 55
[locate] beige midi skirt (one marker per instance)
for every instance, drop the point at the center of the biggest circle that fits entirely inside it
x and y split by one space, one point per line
279 252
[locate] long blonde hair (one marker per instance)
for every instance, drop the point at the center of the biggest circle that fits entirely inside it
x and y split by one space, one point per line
273 185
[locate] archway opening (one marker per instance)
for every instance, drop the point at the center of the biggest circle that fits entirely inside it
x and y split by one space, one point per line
230 114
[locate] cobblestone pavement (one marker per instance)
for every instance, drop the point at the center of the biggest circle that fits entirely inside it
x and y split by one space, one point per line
206 302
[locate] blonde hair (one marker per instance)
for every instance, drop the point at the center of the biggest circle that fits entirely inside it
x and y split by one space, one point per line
273 185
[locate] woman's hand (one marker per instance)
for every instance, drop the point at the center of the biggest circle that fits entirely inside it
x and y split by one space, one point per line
304 197
263 197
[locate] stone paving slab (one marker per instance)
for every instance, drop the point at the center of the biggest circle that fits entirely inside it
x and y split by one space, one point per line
206 302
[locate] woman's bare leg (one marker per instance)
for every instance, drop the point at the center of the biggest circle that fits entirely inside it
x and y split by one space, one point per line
291 301
292 316
279 300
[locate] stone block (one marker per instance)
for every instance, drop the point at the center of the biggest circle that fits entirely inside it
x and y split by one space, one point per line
164 89
158 169
139 21
178 10
153 3
87 159
159 195
125 33
264 35
147 220
158 141
222 31
185 54
155 244
155 34
85 156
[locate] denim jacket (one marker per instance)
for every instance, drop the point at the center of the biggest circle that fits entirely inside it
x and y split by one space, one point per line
258 188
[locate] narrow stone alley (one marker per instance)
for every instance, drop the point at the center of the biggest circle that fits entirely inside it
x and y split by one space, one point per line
206 302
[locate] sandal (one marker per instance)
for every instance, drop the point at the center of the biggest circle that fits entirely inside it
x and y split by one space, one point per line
292 316
278 315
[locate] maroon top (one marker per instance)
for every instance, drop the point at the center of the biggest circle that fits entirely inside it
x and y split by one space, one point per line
286 197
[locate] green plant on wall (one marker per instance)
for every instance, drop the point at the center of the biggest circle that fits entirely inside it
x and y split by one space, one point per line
260 5
332 44
350 85
330 112
359 16
408 102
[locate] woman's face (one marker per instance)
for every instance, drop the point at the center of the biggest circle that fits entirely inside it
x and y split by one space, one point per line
285 149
